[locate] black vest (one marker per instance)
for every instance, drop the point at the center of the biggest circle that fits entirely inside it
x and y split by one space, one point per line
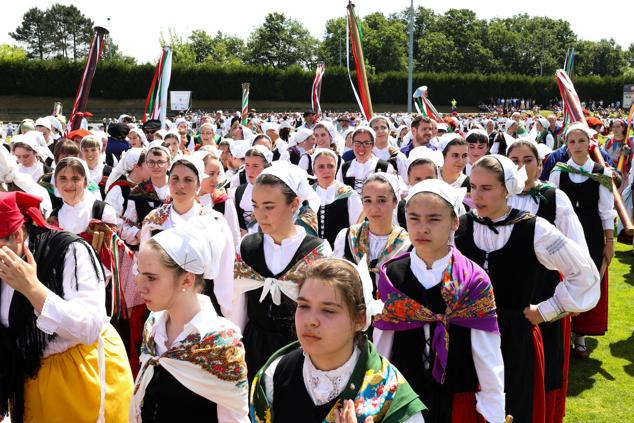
290 398
220 207
239 193
294 155
585 202
144 206
167 400
332 218
408 347
125 192
381 166
106 171
514 271
400 214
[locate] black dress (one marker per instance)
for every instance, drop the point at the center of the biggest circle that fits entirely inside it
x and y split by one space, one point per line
269 326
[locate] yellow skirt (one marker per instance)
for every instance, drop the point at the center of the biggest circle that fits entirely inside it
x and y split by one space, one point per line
67 387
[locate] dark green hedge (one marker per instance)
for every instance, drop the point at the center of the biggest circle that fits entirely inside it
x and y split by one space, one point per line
60 79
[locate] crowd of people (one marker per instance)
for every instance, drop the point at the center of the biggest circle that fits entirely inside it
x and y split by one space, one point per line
284 267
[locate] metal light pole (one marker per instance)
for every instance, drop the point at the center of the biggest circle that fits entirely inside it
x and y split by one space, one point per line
410 62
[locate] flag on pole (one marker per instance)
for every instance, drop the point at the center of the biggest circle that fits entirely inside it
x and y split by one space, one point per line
81 97
315 91
156 101
569 64
354 39
423 104
245 102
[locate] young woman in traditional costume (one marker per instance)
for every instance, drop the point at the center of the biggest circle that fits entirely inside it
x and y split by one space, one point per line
255 161
268 260
589 187
61 360
90 148
147 195
548 202
439 325
325 138
340 205
354 172
333 373
129 171
455 152
376 239
512 246
385 148
192 360
477 146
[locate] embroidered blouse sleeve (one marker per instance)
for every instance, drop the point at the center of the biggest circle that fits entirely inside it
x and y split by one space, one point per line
354 208
129 229
81 315
487 358
606 204
580 290
340 243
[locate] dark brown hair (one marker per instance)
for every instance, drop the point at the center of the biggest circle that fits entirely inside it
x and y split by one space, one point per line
65 147
457 141
419 119
74 164
491 164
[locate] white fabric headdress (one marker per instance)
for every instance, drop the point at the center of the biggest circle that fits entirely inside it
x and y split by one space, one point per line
580 126
128 160
423 152
477 131
514 179
198 164
195 247
445 139
272 126
300 136
140 134
453 196
159 144
297 180
393 180
268 154
364 128
239 148
322 151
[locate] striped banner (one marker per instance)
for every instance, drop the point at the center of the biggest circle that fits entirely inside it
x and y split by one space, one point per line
315 92
354 40
245 102
156 101
423 104
81 97
569 65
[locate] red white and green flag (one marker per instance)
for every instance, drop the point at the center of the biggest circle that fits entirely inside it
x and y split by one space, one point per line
156 101
423 104
354 41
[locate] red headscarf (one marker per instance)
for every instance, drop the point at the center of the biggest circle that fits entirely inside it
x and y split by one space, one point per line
18 207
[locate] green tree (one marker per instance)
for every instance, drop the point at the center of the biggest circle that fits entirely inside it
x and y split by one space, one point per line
34 33
221 49
332 50
182 52
72 31
10 53
111 53
629 55
436 53
384 42
281 42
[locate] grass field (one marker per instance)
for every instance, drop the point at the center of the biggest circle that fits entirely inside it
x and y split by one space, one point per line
601 388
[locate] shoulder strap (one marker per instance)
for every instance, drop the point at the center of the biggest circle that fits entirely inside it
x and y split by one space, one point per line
345 166
97 209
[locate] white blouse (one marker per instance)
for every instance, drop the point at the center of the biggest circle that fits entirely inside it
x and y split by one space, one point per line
129 229
401 160
327 196
323 386
580 290
36 171
606 198
96 174
566 220
114 197
485 346
376 244
77 318
361 171
76 218
231 215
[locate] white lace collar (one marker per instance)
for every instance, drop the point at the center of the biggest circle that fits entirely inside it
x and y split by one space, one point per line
324 386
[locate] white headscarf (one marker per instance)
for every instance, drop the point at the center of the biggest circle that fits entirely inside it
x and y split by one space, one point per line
364 128
199 165
141 135
297 180
514 179
300 136
423 152
268 154
129 159
445 139
239 148
195 247
453 196
321 151
159 144
393 180
580 126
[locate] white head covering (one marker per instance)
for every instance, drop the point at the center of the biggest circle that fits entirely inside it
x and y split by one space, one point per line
364 128
125 165
70 159
514 179
446 139
55 124
272 126
580 126
198 165
393 180
45 122
239 148
179 121
454 196
423 152
140 134
300 136
477 131
195 247
91 138
321 151
159 144
508 124
297 180
268 154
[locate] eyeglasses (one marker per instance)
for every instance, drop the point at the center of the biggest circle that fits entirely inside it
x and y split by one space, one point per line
156 163
362 143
